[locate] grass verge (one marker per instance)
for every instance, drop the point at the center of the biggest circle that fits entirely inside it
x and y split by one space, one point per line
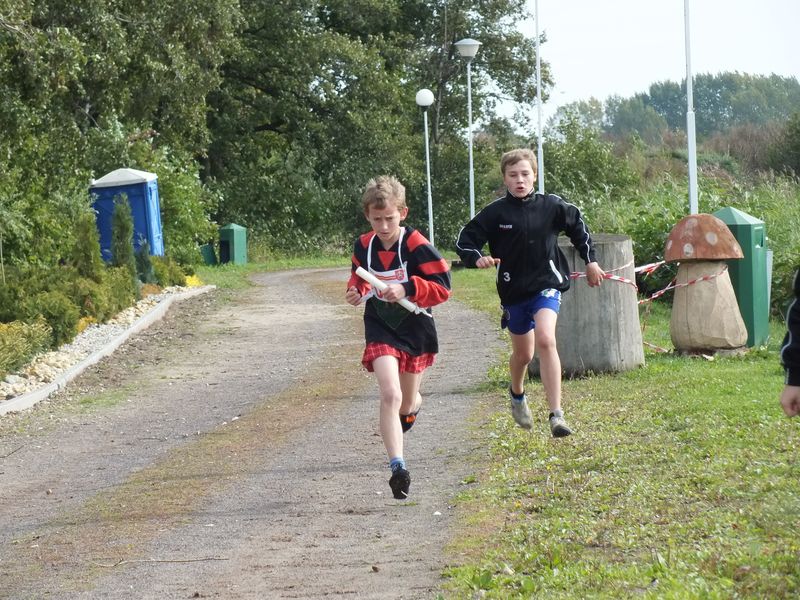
681 481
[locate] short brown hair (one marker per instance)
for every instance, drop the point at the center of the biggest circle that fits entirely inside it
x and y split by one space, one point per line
512 157
383 190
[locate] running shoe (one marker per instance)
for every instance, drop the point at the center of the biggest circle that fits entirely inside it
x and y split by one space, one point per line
400 482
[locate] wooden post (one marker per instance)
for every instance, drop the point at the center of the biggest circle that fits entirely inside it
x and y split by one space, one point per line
598 329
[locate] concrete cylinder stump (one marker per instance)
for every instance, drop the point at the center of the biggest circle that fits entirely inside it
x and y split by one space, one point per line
598 329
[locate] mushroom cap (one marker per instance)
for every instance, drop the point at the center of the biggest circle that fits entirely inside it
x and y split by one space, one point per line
701 237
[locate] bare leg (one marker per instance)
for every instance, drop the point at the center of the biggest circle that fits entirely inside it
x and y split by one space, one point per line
549 361
409 384
521 355
388 375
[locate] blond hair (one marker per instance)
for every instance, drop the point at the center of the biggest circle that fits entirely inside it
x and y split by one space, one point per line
512 157
383 191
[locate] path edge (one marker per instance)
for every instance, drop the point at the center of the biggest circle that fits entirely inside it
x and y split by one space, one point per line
30 399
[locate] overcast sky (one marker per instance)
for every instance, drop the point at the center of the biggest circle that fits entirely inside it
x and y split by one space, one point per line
604 47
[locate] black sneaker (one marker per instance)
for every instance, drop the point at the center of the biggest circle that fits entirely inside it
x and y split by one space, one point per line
407 421
400 482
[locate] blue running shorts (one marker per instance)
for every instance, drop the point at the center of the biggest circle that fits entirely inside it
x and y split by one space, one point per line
519 317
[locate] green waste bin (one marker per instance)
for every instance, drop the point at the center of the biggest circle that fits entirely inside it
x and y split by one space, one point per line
749 275
208 254
233 244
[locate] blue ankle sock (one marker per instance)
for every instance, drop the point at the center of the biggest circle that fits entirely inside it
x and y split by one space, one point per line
397 463
516 397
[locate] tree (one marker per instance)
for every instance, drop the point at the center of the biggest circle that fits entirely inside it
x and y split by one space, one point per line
633 116
580 164
122 254
319 97
785 154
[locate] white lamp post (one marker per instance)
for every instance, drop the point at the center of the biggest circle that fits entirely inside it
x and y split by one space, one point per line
468 48
690 130
424 100
540 153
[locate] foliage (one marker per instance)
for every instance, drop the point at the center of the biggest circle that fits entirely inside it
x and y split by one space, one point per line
93 298
58 310
123 290
167 271
122 253
725 100
20 342
144 265
86 249
631 116
580 164
784 155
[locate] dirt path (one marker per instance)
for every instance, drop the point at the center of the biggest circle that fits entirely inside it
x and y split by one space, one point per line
232 451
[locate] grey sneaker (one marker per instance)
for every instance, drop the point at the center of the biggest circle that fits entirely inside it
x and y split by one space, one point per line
558 426
521 413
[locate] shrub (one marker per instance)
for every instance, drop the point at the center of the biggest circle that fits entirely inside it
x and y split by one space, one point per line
122 240
86 250
20 342
60 313
167 271
93 298
121 288
144 266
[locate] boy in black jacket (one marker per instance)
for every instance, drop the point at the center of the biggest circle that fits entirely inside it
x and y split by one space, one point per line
790 355
522 230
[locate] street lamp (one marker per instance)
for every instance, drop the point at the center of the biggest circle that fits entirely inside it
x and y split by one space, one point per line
540 153
690 130
468 48
424 100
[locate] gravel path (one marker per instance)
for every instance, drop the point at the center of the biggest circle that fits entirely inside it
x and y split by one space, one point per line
232 451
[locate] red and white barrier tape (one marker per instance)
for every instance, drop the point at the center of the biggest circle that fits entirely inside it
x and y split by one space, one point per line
647 269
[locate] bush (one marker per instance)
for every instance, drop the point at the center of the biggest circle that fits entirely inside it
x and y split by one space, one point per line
20 342
167 271
122 289
92 298
144 266
60 313
122 254
86 251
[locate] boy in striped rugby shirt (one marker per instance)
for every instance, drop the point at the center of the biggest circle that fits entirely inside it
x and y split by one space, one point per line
400 344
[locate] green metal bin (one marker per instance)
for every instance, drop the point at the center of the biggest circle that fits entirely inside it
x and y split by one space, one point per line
749 275
233 244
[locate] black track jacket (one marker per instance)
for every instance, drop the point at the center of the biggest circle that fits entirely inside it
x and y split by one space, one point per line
790 349
523 234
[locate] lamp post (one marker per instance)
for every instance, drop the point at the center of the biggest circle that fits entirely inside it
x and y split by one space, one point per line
424 100
468 48
690 129
540 152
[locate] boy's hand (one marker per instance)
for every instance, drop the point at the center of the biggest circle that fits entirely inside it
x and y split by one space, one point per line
393 292
484 262
790 400
353 296
594 274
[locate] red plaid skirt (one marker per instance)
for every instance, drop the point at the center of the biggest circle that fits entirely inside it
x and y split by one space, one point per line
408 363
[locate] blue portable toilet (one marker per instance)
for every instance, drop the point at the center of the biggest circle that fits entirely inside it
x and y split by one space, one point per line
141 188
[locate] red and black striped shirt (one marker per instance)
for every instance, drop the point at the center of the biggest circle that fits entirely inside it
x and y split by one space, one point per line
428 285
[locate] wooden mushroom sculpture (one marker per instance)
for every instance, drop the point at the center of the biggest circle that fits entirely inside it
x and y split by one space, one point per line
705 314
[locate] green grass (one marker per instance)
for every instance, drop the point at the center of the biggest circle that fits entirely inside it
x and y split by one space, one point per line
682 481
